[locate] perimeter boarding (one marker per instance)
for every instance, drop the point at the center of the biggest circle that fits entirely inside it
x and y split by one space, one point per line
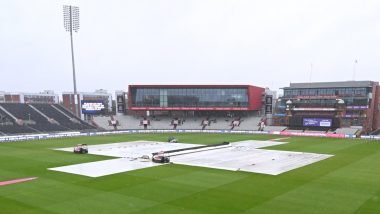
77 134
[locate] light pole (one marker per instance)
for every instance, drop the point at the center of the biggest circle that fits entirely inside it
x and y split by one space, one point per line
71 23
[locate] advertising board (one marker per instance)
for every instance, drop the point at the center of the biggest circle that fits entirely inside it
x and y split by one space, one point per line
93 107
317 122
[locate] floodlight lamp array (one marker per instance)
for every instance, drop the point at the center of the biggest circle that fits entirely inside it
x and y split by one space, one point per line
71 18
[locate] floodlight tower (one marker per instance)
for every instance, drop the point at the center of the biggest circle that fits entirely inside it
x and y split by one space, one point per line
71 23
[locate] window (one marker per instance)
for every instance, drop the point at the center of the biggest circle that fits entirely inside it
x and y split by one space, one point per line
330 92
321 92
185 97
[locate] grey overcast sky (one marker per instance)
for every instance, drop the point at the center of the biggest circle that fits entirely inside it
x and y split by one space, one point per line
267 43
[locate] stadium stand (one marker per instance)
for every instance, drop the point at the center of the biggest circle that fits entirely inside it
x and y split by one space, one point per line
70 115
376 132
124 122
275 128
9 126
161 122
294 130
315 131
18 118
352 131
65 119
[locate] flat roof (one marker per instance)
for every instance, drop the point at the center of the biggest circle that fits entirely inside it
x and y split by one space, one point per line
345 84
28 94
88 94
193 86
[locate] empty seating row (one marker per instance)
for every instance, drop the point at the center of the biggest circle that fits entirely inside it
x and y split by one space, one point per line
19 118
217 123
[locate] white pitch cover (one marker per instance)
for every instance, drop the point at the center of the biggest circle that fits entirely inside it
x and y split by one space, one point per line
246 156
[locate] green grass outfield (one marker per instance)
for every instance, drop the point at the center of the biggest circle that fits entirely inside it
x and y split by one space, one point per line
348 182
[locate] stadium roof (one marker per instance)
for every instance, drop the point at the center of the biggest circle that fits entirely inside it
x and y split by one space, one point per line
346 84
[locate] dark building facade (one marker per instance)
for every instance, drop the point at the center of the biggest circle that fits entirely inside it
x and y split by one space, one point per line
121 102
158 98
338 104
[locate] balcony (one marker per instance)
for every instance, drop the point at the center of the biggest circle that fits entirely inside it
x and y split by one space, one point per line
314 105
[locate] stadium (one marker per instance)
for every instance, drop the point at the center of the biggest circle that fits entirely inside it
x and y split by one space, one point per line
222 147
187 149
